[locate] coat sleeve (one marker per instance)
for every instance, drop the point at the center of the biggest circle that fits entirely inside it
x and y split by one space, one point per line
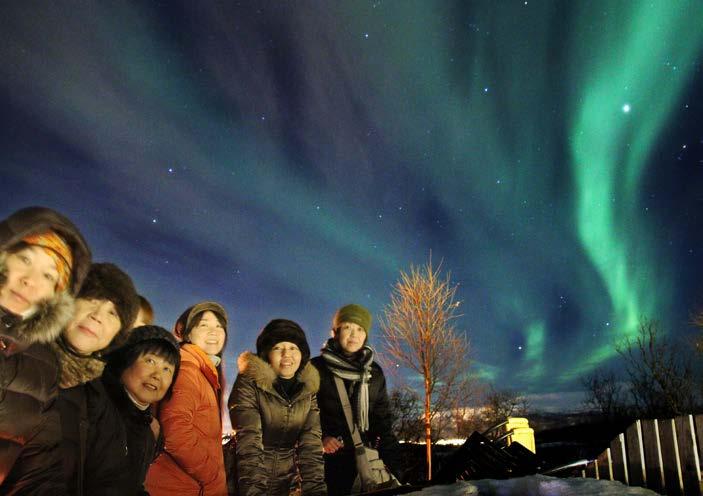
381 418
182 440
249 449
310 453
40 466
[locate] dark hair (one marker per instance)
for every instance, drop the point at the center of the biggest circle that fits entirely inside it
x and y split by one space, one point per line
146 309
199 317
17 247
124 358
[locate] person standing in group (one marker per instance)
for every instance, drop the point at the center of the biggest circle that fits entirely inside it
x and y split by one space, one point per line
146 313
43 262
138 375
274 412
192 462
94 441
346 355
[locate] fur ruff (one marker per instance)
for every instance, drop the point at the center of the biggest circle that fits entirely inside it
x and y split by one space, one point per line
76 369
250 365
48 321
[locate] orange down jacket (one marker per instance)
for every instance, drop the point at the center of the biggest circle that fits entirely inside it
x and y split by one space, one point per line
192 462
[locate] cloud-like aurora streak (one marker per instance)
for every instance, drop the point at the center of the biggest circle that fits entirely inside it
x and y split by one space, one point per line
643 59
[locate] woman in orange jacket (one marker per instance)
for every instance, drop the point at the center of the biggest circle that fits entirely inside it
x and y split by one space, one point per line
192 462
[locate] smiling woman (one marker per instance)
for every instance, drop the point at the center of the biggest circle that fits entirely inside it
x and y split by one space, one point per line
138 375
192 461
43 261
94 439
274 412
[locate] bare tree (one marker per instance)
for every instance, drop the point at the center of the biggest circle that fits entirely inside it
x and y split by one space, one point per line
605 394
504 403
697 321
419 334
407 414
661 377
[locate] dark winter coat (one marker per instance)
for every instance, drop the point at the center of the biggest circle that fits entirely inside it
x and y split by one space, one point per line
274 431
142 446
192 462
30 433
104 451
340 467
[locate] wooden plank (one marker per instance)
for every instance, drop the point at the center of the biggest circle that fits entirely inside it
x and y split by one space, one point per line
670 454
688 455
698 424
617 452
591 470
605 470
652 456
635 455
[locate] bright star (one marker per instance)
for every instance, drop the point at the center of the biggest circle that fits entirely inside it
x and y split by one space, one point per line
626 108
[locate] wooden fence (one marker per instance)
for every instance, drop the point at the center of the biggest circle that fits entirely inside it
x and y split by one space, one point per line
662 455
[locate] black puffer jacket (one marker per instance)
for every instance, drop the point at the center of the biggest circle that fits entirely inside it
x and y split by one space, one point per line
30 460
142 446
340 468
274 431
104 451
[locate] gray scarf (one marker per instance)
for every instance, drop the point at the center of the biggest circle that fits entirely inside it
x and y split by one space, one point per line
355 369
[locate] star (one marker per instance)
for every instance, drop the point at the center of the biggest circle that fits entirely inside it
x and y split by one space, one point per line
626 108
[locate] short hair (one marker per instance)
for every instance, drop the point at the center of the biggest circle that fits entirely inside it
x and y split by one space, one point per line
147 310
124 358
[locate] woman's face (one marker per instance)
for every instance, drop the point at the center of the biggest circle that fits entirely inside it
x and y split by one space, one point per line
31 278
351 336
285 359
208 334
148 378
94 325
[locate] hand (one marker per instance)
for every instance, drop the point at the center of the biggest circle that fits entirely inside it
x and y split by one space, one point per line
331 444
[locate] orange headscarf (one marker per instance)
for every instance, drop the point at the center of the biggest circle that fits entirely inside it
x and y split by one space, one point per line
57 248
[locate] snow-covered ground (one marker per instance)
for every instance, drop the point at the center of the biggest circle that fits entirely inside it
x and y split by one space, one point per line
536 485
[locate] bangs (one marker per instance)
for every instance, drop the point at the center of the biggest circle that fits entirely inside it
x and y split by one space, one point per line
158 348
122 359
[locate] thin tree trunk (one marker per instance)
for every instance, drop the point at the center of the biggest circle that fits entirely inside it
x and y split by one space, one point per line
428 429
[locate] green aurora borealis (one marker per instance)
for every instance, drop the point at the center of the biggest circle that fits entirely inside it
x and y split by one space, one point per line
289 157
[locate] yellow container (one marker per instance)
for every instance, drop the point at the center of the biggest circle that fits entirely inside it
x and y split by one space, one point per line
521 433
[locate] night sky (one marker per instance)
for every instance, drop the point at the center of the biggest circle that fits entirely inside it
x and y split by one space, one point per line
286 158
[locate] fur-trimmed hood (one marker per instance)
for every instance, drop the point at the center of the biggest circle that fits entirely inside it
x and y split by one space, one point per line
47 322
263 375
52 315
35 220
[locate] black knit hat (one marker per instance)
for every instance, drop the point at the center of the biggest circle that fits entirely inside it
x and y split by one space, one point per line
106 281
150 332
279 330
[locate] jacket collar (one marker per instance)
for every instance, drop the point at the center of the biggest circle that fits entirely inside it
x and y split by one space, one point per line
263 375
194 354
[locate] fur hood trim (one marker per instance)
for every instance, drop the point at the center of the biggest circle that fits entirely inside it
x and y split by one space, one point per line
250 365
47 322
